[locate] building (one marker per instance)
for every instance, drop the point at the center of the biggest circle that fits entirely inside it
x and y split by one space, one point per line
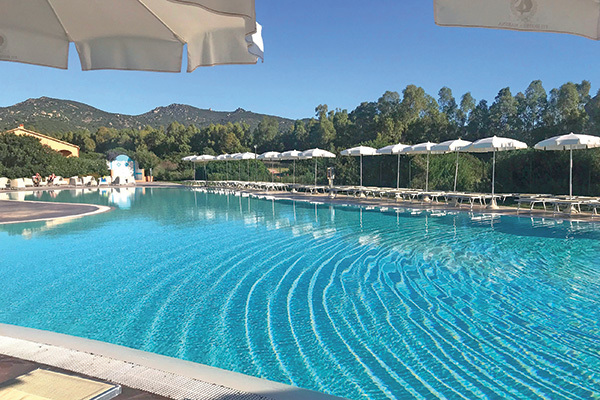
64 148
125 168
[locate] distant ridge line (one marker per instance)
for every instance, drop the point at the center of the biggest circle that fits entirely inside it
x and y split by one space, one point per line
48 116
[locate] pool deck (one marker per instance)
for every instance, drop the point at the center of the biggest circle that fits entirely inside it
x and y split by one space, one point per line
412 205
14 211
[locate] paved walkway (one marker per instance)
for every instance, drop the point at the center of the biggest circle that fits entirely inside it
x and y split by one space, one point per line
13 211
11 368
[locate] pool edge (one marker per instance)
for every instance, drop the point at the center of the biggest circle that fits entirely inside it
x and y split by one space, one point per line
182 368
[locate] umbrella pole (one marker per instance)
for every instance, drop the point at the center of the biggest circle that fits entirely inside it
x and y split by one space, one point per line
248 163
571 174
398 174
315 172
427 176
294 172
205 175
240 170
194 164
494 175
493 201
361 170
456 172
227 169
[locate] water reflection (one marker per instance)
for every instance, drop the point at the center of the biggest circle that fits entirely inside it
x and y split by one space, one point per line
186 206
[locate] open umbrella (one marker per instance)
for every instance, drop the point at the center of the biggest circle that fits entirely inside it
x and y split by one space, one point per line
569 142
270 156
579 17
494 144
394 149
245 156
316 153
234 157
292 155
421 148
205 158
449 147
360 151
144 35
224 157
190 159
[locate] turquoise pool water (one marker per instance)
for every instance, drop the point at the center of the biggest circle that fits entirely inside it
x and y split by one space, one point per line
364 304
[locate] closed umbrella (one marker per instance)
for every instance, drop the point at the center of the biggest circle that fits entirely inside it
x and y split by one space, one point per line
579 17
270 156
449 147
144 35
569 142
292 155
394 149
360 151
494 144
421 148
316 153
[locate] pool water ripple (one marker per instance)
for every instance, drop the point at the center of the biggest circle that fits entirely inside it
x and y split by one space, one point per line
364 304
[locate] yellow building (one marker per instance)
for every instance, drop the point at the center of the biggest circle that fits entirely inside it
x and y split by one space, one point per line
64 148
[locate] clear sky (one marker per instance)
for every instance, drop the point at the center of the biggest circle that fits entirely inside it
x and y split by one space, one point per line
334 52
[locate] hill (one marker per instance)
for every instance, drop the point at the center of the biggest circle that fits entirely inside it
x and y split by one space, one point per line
48 116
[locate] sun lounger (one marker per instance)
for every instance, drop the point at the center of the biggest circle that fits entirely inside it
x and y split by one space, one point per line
4 183
87 180
59 181
50 385
17 183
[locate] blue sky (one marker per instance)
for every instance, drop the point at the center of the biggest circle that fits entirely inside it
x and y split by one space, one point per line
333 52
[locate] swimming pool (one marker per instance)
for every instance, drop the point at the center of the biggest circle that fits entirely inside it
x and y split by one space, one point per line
353 302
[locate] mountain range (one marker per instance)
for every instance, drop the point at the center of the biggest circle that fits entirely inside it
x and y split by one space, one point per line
47 115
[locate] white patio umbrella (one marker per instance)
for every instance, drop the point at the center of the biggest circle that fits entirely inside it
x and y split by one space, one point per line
316 153
144 35
360 151
190 158
270 156
577 17
394 149
569 142
205 158
493 144
291 155
245 156
448 147
224 157
421 148
233 157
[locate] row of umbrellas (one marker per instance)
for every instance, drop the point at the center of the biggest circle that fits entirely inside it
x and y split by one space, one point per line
487 145
291 155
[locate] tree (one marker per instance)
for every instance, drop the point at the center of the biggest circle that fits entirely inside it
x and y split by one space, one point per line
322 131
479 122
503 114
447 103
146 159
266 134
467 105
